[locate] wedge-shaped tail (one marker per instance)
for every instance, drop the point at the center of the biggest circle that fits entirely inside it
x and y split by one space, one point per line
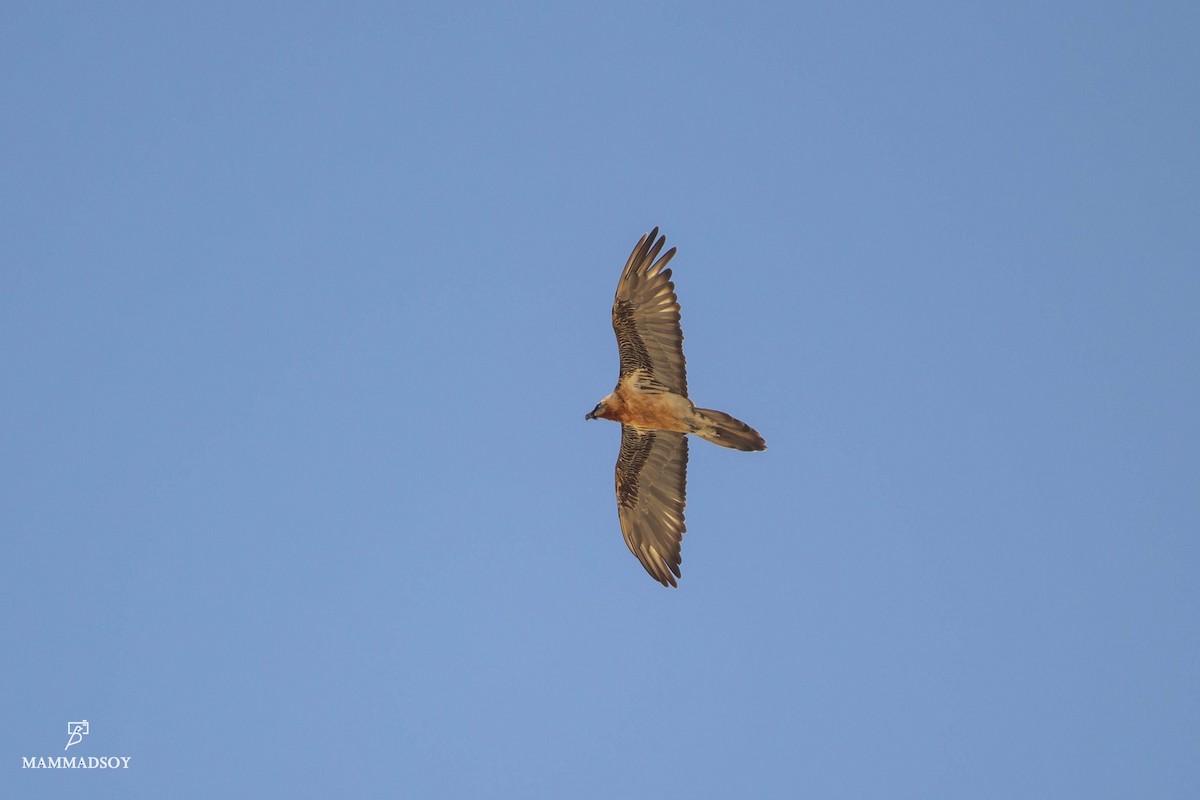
720 428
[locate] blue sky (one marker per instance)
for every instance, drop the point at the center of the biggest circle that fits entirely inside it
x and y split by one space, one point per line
301 308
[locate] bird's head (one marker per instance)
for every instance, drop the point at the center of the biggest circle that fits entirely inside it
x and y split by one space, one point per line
599 411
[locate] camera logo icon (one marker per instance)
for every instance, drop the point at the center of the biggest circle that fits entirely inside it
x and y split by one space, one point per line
75 732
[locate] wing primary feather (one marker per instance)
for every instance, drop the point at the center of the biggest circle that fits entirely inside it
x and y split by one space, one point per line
651 254
662 262
639 252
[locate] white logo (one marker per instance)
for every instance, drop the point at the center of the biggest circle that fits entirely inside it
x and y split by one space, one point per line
76 731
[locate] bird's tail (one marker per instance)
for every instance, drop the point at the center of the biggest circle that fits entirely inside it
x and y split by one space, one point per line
720 428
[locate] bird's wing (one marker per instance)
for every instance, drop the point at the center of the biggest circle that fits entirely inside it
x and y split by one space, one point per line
651 489
646 316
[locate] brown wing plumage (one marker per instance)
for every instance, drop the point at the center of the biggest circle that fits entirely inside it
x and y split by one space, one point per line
651 488
646 316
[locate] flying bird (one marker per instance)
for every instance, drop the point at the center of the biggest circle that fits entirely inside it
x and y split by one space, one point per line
651 403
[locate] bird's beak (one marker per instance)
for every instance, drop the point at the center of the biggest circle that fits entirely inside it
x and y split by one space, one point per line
590 415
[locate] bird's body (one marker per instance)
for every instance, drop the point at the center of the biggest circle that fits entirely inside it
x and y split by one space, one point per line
637 401
651 403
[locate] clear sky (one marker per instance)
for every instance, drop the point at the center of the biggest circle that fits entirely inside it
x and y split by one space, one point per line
302 306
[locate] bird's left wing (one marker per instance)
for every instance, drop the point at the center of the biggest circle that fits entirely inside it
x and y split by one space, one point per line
646 316
651 491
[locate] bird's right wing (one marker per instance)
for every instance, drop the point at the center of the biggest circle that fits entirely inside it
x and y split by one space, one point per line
651 492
